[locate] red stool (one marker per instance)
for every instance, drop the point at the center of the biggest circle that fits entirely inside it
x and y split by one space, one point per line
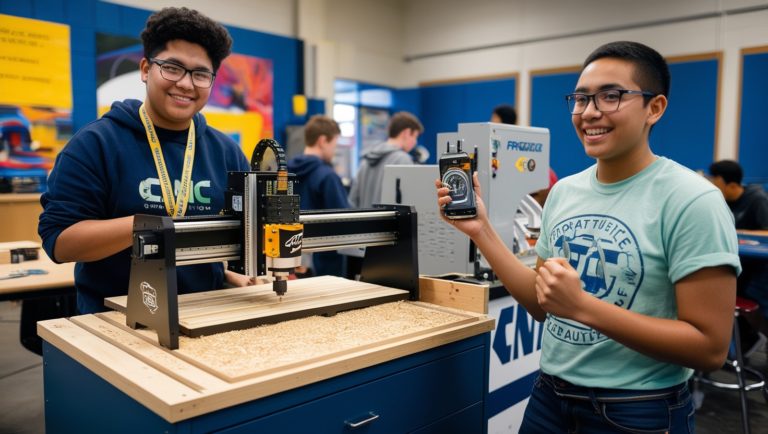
736 361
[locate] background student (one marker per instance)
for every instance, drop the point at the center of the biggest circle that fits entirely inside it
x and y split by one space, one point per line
749 205
403 132
319 186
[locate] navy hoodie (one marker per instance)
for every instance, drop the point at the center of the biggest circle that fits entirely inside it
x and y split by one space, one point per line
320 188
106 171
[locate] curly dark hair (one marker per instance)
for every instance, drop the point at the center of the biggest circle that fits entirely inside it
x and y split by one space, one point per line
170 24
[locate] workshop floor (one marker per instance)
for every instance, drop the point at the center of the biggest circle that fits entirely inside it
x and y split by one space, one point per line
22 412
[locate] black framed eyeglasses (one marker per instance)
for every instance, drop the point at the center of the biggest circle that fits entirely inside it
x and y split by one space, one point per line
606 101
174 72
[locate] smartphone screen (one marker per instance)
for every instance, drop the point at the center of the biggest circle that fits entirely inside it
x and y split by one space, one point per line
456 173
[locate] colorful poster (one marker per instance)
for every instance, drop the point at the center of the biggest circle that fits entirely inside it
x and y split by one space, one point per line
34 63
35 100
241 99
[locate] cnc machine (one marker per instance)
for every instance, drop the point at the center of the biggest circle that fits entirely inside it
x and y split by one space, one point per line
262 232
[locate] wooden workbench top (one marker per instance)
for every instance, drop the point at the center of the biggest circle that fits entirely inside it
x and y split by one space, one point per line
213 372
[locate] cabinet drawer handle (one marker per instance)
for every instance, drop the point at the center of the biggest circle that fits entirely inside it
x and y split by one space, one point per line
372 416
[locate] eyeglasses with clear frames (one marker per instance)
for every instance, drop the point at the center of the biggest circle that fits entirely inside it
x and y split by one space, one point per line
606 101
174 72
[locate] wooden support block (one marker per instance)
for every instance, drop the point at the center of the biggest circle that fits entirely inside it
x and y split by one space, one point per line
449 293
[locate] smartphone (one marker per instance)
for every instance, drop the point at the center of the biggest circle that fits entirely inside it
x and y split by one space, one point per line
456 169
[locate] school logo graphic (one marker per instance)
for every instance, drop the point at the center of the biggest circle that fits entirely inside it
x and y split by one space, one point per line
149 190
149 297
604 252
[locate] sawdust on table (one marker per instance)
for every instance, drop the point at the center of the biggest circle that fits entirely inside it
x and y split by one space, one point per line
265 347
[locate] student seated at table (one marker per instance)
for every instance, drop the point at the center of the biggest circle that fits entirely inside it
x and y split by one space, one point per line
749 205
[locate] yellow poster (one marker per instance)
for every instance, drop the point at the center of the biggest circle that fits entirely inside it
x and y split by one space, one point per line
34 63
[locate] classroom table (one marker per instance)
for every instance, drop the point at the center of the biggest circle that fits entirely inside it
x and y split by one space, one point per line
60 279
42 296
753 244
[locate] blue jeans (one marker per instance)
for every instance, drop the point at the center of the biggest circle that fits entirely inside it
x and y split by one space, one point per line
557 406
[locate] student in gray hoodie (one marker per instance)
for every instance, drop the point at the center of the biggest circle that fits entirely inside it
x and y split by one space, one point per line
403 131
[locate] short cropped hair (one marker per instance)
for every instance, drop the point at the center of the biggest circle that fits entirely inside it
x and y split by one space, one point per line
169 24
506 113
320 125
401 121
729 170
651 70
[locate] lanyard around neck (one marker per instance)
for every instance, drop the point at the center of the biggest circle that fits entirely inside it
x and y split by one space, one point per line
175 207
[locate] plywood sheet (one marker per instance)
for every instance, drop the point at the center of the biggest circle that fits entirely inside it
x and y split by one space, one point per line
218 311
241 354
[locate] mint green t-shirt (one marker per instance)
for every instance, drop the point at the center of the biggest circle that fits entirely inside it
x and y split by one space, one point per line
630 242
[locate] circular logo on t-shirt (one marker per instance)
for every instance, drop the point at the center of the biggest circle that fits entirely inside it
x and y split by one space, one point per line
605 253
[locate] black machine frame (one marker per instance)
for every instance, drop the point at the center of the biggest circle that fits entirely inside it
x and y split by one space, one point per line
162 243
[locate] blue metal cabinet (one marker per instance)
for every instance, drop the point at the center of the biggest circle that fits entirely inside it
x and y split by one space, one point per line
441 390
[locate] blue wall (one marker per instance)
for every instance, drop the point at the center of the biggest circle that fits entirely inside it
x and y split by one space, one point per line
753 130
686 132
549 110
442 107
88 17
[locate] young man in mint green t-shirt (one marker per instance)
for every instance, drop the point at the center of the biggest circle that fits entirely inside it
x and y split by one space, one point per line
638 258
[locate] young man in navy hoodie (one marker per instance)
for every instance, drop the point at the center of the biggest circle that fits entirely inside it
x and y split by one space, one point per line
319 186
156 157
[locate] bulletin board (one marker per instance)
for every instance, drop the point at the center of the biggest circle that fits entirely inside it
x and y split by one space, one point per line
753 124
35 91
687 133
34 63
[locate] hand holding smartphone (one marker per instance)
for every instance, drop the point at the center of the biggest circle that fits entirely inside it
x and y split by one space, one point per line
456 169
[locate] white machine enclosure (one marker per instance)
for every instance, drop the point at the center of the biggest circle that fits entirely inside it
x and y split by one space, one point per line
513 161
521 167
442 249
